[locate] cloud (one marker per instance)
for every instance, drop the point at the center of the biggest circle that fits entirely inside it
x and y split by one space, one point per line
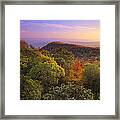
59 26
59 31
90 35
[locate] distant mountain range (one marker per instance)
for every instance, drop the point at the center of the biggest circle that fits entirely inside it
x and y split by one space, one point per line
39 43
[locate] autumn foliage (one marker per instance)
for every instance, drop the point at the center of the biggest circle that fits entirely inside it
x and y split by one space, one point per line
57 74
76 72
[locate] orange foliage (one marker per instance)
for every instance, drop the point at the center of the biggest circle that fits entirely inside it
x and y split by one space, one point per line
76 72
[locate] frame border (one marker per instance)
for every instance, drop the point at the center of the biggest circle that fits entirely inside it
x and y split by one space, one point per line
60 2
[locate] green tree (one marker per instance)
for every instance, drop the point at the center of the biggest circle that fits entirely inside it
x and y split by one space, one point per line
45 52
64 58
30 89
28 58
92 78
69 91
40 67
47 71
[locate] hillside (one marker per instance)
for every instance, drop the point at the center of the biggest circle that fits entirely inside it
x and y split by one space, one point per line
79 51
59 71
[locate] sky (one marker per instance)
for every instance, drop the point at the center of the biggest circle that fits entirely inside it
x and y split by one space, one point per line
62 30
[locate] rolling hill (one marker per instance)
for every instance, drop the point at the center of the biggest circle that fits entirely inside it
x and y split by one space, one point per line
79 51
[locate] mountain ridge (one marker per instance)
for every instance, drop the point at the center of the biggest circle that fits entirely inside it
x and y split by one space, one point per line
78 50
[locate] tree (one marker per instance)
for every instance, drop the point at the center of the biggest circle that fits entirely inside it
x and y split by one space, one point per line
28 58
40 67
47 71
69 91
92 78
64 58
30 89
45 52
76 71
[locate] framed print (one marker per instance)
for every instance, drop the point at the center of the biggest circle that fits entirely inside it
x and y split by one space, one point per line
59 59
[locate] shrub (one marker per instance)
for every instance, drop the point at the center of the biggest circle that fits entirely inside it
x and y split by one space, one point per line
92 78
69 91
30 89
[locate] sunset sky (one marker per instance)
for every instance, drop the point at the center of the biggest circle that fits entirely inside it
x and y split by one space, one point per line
63 30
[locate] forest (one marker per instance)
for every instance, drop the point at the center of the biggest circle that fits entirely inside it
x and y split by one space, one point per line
59 71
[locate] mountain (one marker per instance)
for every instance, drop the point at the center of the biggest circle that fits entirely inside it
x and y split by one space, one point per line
79 51
40 42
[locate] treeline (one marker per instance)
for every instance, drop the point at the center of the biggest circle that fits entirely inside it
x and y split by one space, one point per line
59 75
85 54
